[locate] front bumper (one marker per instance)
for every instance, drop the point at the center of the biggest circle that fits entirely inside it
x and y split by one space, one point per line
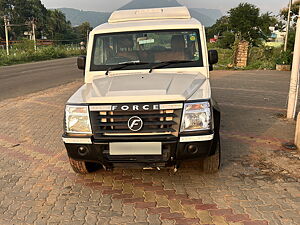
174 150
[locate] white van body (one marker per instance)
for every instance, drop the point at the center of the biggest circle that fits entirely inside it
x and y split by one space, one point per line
164 89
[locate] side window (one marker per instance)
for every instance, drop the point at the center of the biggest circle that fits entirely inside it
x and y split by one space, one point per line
104 49
98 54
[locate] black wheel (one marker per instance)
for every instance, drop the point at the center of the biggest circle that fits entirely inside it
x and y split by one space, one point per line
212 164
83 167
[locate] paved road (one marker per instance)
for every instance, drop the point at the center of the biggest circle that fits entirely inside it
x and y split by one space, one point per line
257 185
23 79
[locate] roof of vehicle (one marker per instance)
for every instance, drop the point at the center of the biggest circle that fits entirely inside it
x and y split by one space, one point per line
147 19
149 14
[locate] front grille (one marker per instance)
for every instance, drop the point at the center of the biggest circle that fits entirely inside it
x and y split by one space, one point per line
155 122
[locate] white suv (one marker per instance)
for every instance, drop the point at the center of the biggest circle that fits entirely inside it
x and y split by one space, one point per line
147 99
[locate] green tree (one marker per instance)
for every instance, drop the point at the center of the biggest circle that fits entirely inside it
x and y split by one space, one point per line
50 23
5 9
294 11
83 30
57 27
219 27
292 31
247 23
29 10
56 24
22 11
226 40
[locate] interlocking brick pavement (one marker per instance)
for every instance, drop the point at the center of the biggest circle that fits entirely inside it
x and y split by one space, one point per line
258 183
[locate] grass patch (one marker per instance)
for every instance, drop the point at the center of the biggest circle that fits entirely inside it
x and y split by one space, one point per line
24 55
263 57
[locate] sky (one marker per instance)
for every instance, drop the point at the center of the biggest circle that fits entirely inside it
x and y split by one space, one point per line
111 5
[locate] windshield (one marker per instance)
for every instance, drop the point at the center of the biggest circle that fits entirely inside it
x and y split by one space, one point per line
146 49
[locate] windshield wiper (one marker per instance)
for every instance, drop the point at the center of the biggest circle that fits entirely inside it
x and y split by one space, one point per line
167 63
123 65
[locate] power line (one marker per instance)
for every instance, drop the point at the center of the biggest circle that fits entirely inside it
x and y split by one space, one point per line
47 40
15 25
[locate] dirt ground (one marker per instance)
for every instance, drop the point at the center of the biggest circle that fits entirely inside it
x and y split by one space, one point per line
258 182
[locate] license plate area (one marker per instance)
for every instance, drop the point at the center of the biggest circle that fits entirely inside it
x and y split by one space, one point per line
135 148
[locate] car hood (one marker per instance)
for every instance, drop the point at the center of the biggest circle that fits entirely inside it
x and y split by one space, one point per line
150 87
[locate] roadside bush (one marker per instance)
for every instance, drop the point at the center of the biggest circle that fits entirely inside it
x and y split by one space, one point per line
25 45
22 54
226 41
262 57
284 58
259 57
225 55
52 52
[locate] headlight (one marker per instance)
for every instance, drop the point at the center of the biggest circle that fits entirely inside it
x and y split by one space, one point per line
196 116
78 120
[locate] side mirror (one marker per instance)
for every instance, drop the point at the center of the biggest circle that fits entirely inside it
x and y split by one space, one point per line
213 57
81 62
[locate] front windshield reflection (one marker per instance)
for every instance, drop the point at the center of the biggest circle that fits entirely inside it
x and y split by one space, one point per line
150 47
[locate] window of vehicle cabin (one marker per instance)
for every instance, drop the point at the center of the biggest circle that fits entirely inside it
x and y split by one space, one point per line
148 47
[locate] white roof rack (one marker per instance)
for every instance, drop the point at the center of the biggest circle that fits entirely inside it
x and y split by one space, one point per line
149 14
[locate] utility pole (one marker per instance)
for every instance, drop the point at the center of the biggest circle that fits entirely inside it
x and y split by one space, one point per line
33 33
288 26
87 36
294 84
6 23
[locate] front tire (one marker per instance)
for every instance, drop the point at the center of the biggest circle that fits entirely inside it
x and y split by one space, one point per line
212 164
83 167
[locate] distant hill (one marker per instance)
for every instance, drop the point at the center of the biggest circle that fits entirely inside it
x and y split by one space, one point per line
143 4
77 17
204 19
206 16
213 14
